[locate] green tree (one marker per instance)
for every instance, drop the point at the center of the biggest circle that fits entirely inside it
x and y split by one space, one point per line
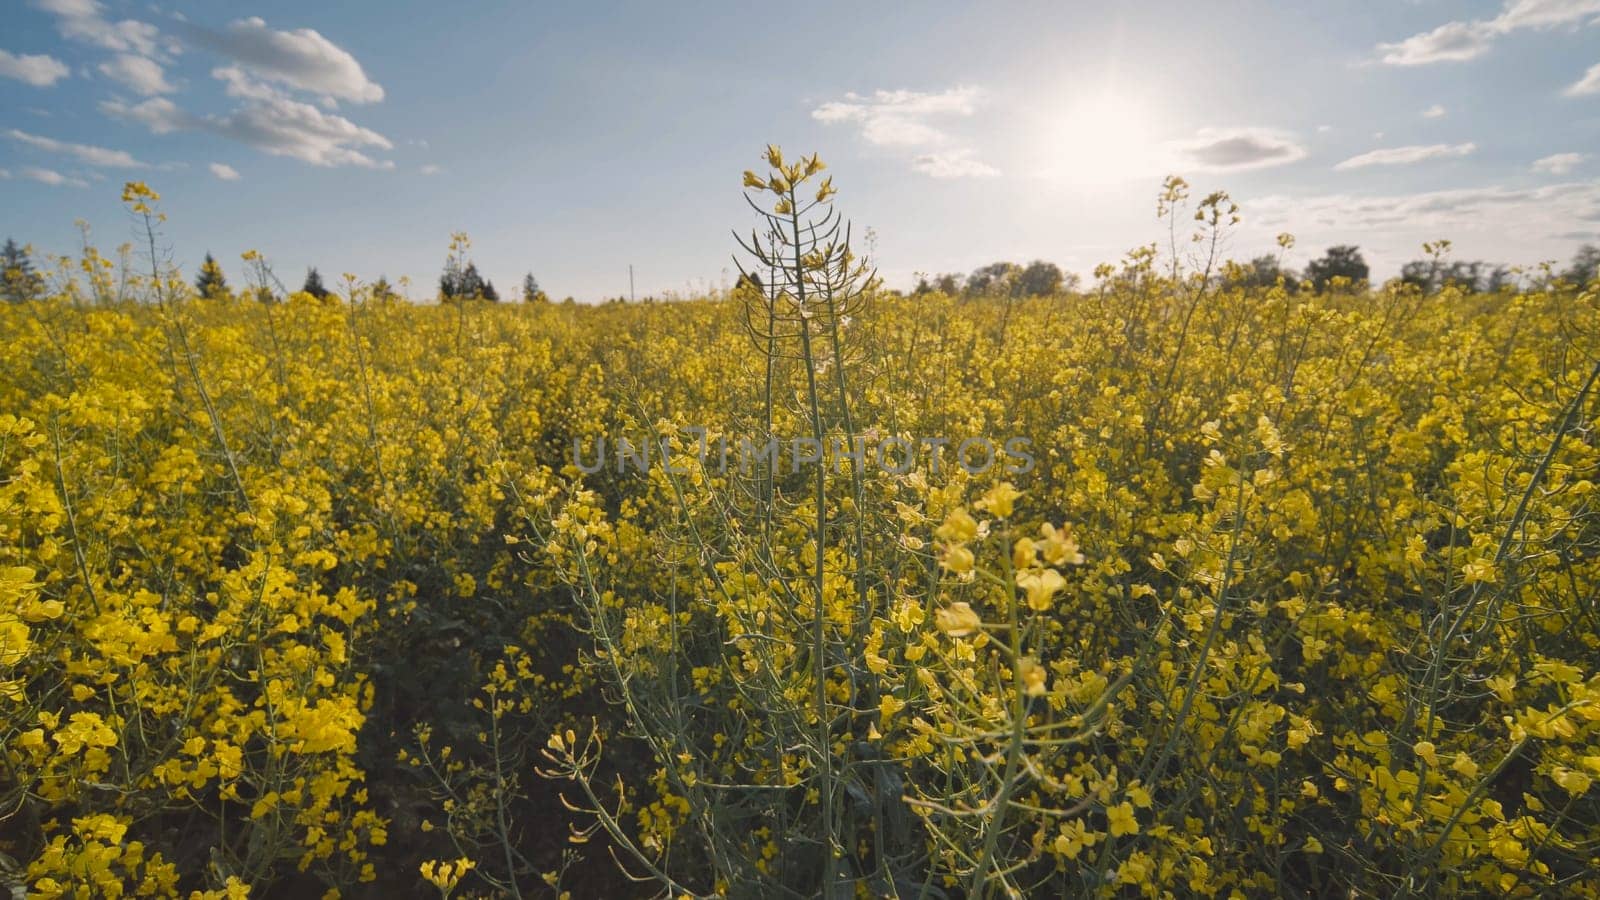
210 283
1585 265
313 285
1343 260
1040 279
18 280
530 290
382 291
995 278
1264 272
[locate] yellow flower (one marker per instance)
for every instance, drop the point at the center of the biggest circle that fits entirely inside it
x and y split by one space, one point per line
1060 549
1000 500
957 620
1478 570
1122 820
958 527
1074 837
1041 587
1033 676
958 560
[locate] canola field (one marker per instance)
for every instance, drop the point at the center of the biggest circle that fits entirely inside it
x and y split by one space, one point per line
1284 592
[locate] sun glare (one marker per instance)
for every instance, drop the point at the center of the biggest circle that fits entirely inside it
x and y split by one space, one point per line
1098 136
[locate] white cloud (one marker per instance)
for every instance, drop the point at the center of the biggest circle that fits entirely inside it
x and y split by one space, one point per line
1559 163
1436 111
5 173
1546 13
900 118
83 20
1587 85
911 120
52 178
94 156
224 171
1400 156
1233 149
1450 42
274 124
429 169
1485 209
1464 40
35 69
301 59
955 164
1498 223
238 83
140 74
158 114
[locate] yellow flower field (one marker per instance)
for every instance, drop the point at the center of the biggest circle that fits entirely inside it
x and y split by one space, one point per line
1300 594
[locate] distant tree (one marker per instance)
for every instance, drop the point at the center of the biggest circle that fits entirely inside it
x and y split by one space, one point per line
950 284
1344 260
1421 274
450 282
210 283
313 285
471 286
18 280
749 280
1584 269
1264 272
530 289
996 278
1430 275
382 291
489 293
1040 279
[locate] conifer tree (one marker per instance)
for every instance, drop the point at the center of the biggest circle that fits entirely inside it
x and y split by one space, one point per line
313 285
210 283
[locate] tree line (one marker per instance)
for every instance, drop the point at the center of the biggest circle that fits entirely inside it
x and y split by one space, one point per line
459 281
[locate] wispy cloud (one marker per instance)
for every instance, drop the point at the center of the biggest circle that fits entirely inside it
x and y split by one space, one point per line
1559 163
224 171
1586 86
140 74
1492 210
900 117
38 70
1436 111
955 164
1402 156
275 125
1235 149
52 178
85 153
85 21
1463 40
301 59
914 120
429 169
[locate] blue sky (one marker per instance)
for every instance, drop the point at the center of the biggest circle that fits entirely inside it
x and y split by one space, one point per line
576 141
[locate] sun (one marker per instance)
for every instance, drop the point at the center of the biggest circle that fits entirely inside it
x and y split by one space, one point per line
1098 135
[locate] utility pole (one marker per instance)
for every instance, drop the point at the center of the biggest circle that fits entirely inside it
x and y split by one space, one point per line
630 283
